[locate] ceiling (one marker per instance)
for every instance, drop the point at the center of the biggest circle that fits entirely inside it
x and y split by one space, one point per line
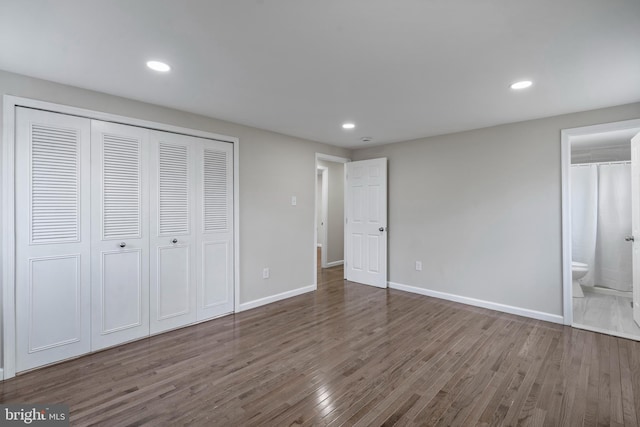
399 69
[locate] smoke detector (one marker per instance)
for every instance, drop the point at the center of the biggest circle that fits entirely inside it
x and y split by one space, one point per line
366 139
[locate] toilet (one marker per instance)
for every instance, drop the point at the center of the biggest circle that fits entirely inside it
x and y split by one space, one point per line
578 271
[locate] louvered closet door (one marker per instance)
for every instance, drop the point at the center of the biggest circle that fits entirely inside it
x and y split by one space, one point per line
173 244
120 234
215 229
52 237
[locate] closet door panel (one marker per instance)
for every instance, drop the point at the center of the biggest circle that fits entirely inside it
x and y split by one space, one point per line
121 287
52 237
174 292
215 229
120 245
215 274
172 289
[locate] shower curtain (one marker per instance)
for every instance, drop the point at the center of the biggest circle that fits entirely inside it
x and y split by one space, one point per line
601 218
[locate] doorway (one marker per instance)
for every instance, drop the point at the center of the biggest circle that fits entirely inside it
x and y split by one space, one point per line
597 243
329 217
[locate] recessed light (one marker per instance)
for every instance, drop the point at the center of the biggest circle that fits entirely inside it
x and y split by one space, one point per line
158 66
521 85
348 126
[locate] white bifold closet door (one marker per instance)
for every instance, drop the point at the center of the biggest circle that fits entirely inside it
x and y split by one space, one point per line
52 237
173 245
215 229
121 232
191 230
120 236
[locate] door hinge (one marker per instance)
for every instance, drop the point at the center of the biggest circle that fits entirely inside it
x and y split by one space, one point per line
346 220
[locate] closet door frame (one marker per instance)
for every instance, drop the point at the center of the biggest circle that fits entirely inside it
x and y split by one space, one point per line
10 103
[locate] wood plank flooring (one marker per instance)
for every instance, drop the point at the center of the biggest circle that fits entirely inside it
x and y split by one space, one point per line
351 354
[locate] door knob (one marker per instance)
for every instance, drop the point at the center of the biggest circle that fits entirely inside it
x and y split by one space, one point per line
629 239
122 244
381 229
174 240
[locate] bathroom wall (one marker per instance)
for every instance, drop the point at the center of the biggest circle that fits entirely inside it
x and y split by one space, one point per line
609 153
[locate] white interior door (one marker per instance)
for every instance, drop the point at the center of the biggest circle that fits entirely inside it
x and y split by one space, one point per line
120 234
366 222
635 223
52 237
172 241
215 228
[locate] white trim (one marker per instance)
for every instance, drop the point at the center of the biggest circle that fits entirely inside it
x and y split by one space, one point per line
115 118
8 240
1 374
606 331
274 298
565 147
567 281
10 103
335 263
319 245
525 312
330 158
236 224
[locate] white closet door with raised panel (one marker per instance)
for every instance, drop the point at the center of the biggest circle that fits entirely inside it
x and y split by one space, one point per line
52 237
215 229
172 240
120 236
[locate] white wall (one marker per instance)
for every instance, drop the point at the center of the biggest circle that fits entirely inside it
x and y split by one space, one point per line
273 167
335 211
482 210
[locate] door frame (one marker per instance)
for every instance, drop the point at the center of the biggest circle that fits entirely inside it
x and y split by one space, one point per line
328 158
10 103
324 207
565 146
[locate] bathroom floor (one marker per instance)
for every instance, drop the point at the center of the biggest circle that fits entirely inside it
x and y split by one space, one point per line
606 313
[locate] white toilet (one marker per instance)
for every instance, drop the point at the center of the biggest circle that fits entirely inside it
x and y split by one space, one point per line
578 271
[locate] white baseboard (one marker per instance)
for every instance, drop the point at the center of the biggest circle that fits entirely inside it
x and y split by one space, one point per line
319 245
334 263
1 374
607 291
273 298
539 315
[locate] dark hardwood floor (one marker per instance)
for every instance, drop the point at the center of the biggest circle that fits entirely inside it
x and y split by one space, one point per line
350 354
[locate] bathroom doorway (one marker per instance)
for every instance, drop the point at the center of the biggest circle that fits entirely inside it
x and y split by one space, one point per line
597 234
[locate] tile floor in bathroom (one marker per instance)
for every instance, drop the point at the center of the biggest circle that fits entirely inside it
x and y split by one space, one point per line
605 312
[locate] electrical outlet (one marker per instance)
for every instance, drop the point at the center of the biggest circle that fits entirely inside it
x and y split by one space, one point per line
418 265
265 273
294 200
